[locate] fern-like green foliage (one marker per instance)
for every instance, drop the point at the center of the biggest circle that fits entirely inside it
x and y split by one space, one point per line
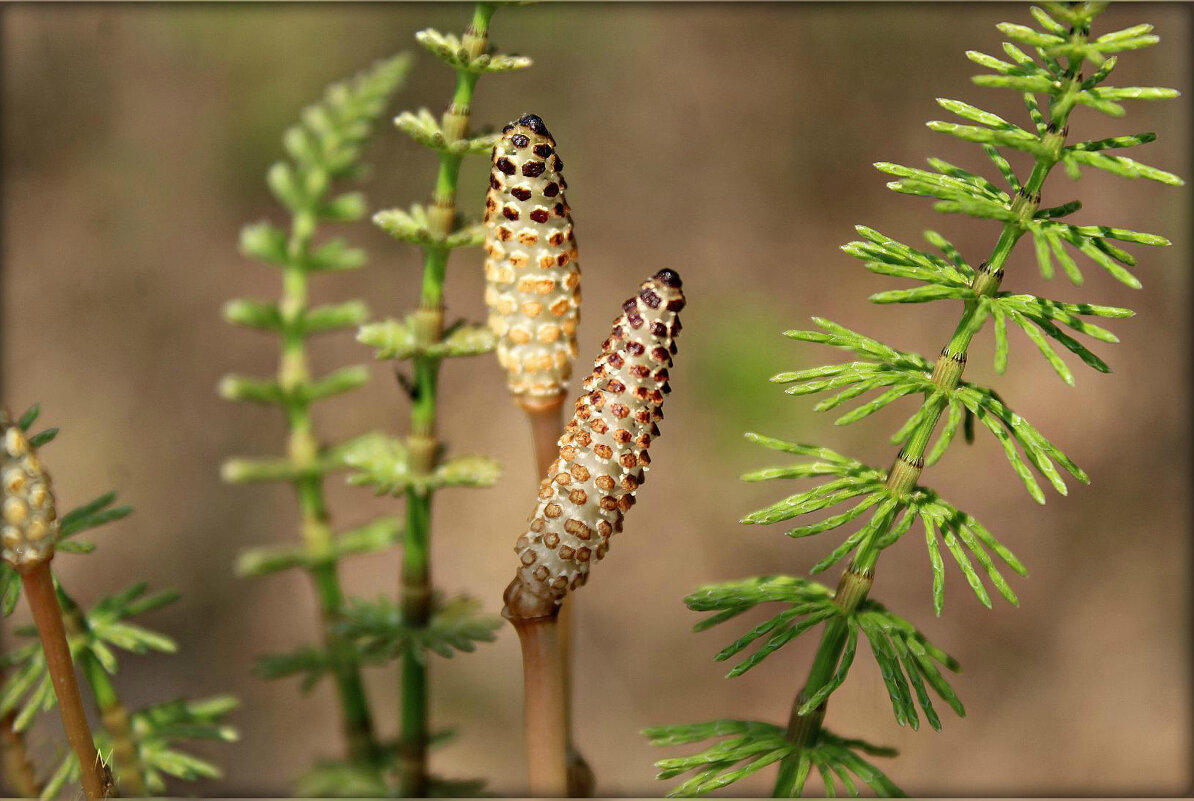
324 150
96 635
750 746
339 779
455 626
381 634
416 465
906 658
383 463
894 515
325 147
878 507
159 729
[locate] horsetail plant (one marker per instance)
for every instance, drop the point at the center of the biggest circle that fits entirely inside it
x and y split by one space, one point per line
30 533
1045 65
532 289
133 749
602 460
416 467
532 273
532 276
325 147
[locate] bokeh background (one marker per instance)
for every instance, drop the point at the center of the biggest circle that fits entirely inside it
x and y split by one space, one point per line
733 143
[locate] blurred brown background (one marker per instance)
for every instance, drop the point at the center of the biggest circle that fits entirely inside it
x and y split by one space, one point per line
731 142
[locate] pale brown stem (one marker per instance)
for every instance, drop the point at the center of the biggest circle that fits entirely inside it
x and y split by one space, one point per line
547 421
546 718
38 584
18 770
581 781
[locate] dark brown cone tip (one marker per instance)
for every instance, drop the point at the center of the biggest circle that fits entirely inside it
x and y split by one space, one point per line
669 278
532 121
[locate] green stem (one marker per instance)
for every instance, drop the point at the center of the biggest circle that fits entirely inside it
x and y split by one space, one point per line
905 471
303 447
416 611
423 443
115 717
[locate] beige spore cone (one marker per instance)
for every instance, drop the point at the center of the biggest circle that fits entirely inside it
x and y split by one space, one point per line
531 269
30 521
603 453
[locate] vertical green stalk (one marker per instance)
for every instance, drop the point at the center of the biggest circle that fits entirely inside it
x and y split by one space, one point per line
293 372
423 443
114 714
324 148
856 580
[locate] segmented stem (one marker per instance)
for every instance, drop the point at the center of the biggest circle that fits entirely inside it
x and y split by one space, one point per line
423 443
905 472
303 447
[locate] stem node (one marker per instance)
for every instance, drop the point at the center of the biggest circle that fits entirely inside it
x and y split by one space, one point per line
852 588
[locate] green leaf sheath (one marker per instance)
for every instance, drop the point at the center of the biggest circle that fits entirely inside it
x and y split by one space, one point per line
324 148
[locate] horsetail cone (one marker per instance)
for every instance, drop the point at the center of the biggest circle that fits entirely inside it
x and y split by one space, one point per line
29 520
531 270
603 453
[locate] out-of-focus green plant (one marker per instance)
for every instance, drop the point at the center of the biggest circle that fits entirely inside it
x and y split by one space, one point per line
139 747
1044 64
415 467
323 148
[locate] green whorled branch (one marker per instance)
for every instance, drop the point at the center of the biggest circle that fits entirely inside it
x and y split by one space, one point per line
303 449
324 148
126 756
1048 150
893 499
416 592
142 744
415 468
